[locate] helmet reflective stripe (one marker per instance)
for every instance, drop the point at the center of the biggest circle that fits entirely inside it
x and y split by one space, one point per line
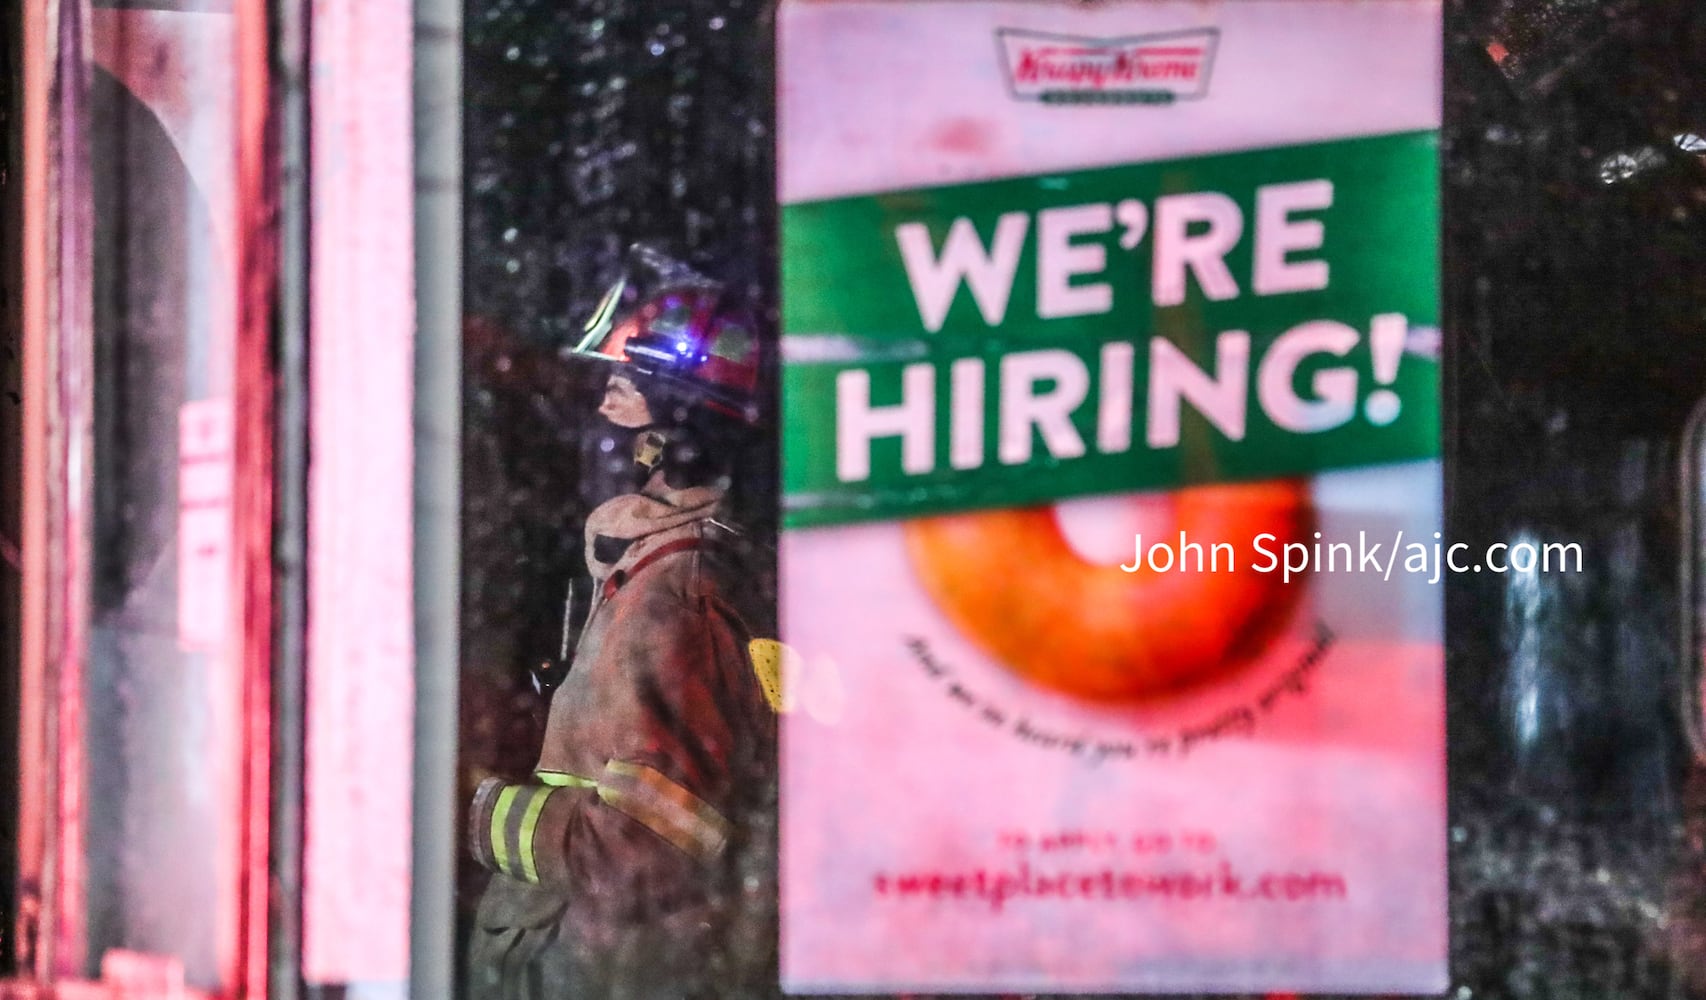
598 325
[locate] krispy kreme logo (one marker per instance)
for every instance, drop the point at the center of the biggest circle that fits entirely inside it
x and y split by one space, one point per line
1140 69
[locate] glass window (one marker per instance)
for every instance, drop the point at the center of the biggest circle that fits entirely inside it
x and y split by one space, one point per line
592 450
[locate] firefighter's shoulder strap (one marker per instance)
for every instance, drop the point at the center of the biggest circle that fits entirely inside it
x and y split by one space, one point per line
618 579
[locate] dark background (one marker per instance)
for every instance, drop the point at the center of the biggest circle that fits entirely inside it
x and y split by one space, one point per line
1575 309
1574 258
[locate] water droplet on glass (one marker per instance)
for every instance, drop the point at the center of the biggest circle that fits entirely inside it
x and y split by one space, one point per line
1618 167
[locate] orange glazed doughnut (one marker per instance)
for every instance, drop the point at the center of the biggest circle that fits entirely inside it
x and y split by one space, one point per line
1009 580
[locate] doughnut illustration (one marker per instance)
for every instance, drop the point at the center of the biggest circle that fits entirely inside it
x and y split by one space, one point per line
1010 581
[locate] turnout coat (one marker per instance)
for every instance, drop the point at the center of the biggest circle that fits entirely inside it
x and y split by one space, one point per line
637 860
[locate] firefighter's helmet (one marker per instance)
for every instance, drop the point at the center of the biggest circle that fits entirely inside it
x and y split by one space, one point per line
682 332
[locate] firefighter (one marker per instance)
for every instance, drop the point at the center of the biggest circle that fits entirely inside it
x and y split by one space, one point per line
634 862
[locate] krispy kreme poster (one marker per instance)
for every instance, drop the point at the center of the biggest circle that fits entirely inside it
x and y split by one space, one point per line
1110 577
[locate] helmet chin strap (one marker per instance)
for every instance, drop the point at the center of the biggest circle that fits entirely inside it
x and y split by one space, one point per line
615 468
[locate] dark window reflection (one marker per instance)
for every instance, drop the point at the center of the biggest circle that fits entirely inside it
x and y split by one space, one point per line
590 128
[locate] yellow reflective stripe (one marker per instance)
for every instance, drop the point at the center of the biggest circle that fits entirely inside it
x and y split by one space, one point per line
664 807
563 779
529 822
500 816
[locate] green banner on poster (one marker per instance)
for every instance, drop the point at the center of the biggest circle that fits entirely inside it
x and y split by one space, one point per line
1231 317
